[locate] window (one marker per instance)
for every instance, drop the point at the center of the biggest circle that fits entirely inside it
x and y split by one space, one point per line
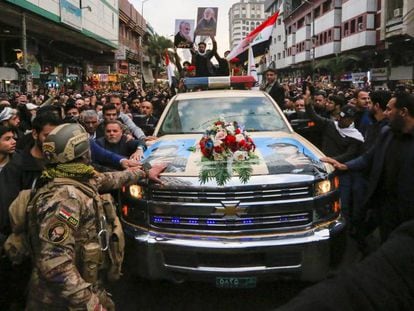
279 38
326 6
279 21
353 26
278 55
346 29
317 12
301 22
284 54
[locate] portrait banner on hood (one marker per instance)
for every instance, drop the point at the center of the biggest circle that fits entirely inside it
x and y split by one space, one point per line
206 22
184 33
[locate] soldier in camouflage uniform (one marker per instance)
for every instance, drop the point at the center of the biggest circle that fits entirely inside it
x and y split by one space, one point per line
65 225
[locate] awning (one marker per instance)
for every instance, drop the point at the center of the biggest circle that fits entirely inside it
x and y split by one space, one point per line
147 73
8 74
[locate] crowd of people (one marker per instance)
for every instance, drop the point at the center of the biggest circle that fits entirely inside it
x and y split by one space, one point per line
366 135
104 132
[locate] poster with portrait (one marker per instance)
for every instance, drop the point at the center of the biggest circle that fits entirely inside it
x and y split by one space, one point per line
184 33
206 22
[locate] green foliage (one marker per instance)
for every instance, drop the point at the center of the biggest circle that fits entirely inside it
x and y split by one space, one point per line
219 170
338 64
156 47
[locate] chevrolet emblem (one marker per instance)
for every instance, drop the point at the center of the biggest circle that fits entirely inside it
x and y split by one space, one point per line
230 209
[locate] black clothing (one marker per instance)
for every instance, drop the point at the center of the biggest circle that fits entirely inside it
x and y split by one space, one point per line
277 92
223 67
362 120
382 282
17 175
24 141
181 41
372 132
333 144
147 124
396 194
202 62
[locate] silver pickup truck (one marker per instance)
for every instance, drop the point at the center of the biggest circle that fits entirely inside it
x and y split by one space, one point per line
281 221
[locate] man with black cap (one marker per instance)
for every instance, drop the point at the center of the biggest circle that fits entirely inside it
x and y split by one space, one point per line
272 87
340 141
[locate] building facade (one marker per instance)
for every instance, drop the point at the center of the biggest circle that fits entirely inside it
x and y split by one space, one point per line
58 42
132 28
244 16
372 37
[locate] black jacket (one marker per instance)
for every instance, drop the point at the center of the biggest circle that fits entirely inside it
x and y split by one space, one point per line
382 282
333 144
17 175
277 92
374 160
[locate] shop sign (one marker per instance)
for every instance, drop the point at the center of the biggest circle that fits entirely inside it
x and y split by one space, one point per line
112 78
71 13
120 53
103 77
379 74
123 67
102 69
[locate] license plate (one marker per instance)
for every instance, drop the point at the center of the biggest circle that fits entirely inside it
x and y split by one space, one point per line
229 282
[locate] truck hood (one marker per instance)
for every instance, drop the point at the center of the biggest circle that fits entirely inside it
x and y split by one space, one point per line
277 153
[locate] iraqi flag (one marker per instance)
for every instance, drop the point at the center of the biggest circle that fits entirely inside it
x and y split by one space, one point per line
251 68
259 39
170 69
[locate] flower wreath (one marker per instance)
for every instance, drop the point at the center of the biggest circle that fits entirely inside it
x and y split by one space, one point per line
226 149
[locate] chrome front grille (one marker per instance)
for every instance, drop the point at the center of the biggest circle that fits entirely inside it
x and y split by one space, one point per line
256 209
264 194
233 224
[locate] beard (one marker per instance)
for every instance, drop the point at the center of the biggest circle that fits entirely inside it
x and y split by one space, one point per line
397 124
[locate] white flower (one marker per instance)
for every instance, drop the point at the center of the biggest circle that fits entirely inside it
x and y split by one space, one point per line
239 137
230 129
240 155
218 142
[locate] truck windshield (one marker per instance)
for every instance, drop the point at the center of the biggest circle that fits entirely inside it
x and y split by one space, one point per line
189 116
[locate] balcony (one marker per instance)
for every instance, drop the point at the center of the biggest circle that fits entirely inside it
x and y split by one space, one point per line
358 40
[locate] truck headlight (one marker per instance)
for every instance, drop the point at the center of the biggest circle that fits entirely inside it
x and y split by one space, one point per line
136 191
323 187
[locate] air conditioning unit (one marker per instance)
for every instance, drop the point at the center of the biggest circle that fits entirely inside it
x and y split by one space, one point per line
398 12
360 26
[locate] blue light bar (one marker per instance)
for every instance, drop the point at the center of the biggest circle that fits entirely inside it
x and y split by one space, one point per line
219 82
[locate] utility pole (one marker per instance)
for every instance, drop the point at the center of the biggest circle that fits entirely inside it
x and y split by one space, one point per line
141 58
24 47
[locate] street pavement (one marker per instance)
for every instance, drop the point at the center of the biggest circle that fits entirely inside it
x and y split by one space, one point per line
132 293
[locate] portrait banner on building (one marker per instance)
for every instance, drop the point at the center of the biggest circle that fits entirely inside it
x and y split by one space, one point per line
184 33
206 22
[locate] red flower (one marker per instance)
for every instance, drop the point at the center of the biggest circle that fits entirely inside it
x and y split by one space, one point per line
230 140
234 60
218 149
237 131
242 143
